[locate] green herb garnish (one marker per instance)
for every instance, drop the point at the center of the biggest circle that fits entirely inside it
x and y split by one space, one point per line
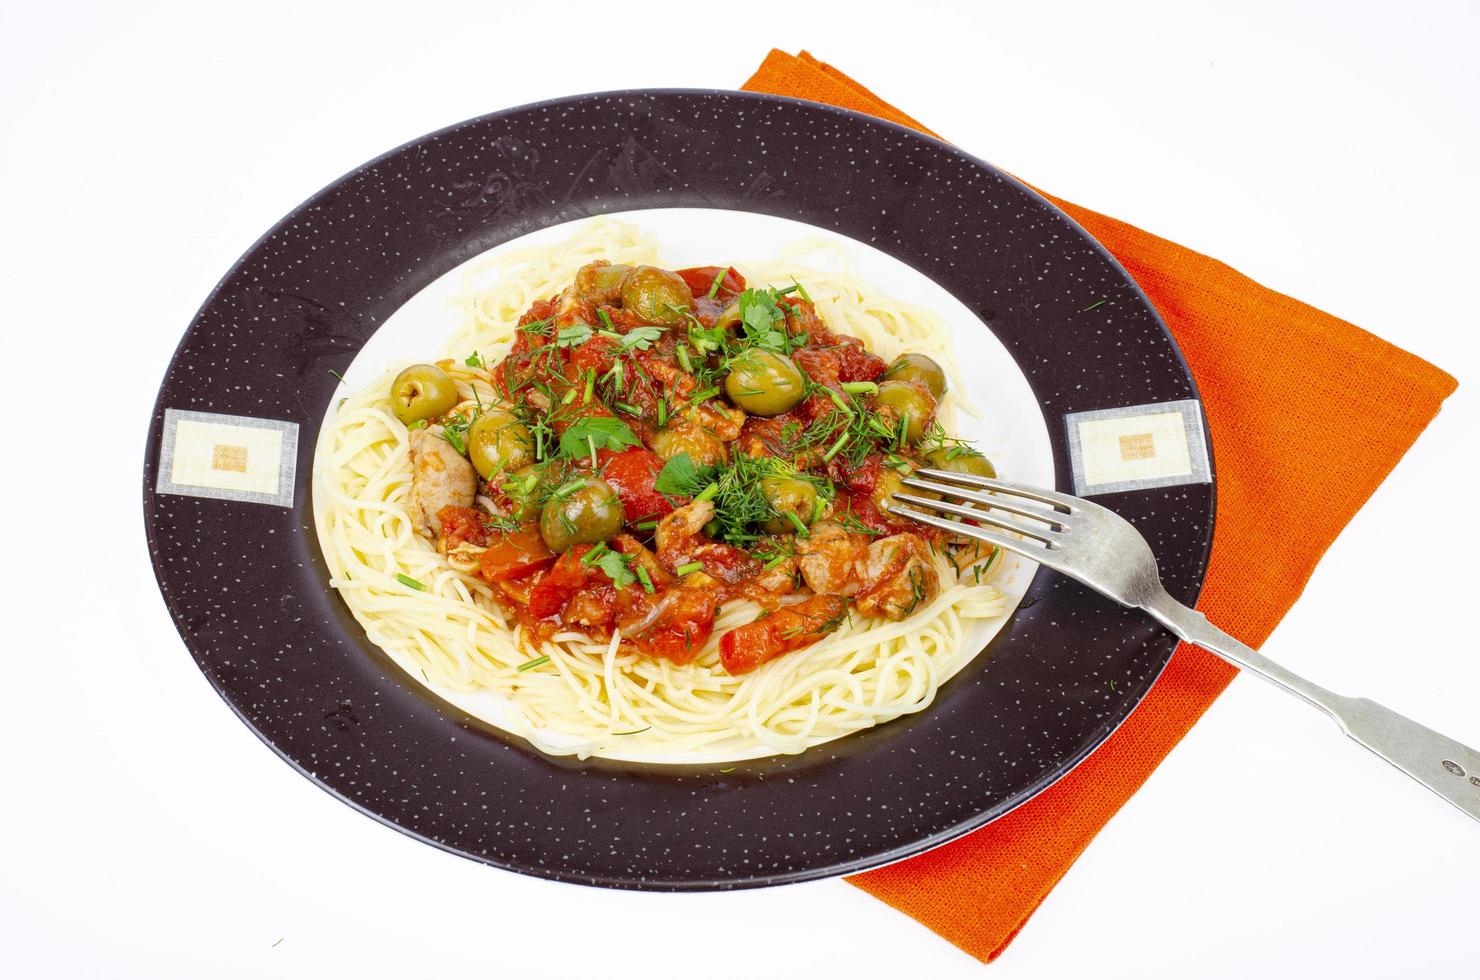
410 582
532 664
599 431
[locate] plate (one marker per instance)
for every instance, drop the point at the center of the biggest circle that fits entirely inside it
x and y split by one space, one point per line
1095 397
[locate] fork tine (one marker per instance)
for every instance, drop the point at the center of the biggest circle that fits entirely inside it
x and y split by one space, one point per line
1037 532
1053 517
1052 497
1006 542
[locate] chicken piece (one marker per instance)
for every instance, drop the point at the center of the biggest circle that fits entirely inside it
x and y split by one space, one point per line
831 559
594 606
898 577
440 477
681 541
677 533
642 558
719 420
779 579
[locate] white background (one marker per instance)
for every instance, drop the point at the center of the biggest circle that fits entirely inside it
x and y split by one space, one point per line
1327 150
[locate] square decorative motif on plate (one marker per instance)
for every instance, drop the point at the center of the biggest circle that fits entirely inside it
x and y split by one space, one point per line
1138 447
229 457
1142 445
233 458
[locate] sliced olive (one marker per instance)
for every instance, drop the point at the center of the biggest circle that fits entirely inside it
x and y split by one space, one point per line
582 511
919 369
906 400
763 382
788 495
499 442
656 295
960 459
422 391
601 282
729 317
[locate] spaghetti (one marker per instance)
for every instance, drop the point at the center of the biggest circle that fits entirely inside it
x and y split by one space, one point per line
570 693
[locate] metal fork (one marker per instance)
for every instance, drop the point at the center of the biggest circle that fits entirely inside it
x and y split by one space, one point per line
1087 542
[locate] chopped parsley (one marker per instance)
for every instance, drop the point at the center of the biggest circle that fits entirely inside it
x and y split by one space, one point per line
573 336
679 477
592 432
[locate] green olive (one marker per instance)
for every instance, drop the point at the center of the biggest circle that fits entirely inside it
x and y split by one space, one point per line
764 383
960 459
582 511
919 369
729 318
422 391
889 483
788 495
907 400
498 442
704 448
656 295
601 282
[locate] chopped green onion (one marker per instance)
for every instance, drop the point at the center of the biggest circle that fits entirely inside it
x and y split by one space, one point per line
707 493
836 448
688 567
775 560
590 386
532 664
703 396
562 492
662 412
838 400
410 582
647 583
606 321
797 522
570 396
626 407
860 387
646 525
682 353
718 281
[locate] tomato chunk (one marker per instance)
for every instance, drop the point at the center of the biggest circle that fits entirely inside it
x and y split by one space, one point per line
700 280
682 626
461 524
631 474
515 554
565 578
745 648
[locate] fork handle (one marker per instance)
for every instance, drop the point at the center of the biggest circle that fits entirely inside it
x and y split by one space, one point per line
1443 765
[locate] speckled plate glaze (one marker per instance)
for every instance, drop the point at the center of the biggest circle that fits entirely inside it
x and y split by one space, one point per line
243 578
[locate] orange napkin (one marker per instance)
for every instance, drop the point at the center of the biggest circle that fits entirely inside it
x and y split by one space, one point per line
1308 413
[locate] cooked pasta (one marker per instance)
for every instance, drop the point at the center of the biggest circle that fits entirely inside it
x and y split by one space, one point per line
571 693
